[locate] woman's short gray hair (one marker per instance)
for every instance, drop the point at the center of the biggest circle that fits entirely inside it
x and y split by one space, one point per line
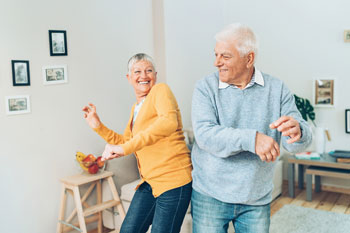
140 57
242 35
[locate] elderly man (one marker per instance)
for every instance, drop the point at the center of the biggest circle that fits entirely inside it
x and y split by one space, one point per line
239 117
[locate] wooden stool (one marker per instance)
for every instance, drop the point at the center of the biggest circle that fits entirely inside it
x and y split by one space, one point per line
71 185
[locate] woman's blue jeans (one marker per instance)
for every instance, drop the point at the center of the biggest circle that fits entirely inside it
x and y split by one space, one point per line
213 216
165 213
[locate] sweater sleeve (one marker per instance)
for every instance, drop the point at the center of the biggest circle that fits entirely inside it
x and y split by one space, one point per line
218 140
110 136
165 124
288 108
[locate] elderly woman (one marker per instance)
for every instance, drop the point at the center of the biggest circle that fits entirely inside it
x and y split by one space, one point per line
154 134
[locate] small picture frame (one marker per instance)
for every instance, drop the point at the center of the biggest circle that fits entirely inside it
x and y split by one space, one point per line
18 104
20 73
55 74
347 36
324 92
347 120
58 43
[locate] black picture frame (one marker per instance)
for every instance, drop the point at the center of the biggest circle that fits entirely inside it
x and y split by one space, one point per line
58 43
20 73
347 120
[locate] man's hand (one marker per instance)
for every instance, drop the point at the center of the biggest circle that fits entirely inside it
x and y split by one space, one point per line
266 147
288 126
112 151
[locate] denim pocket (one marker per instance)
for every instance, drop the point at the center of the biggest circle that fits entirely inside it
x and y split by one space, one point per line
145 188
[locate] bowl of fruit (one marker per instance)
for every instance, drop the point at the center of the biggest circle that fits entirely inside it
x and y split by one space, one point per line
90 163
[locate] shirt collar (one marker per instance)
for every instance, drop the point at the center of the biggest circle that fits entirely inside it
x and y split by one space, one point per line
257 78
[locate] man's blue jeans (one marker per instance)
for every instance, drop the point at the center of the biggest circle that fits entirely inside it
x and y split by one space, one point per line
166 212
213 216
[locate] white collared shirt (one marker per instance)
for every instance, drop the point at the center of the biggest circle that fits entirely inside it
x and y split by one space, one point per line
257 78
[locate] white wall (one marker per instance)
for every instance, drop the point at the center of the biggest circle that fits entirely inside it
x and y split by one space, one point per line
38 148
189 37
299 41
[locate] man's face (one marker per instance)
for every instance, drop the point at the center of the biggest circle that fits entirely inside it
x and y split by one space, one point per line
232 67
142 77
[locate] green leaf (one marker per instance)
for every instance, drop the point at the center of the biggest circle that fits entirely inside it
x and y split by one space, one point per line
305 108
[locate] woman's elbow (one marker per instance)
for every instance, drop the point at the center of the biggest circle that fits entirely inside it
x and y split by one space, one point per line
171 126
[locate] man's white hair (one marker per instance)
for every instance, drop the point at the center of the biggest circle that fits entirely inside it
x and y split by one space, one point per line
243 36
140 57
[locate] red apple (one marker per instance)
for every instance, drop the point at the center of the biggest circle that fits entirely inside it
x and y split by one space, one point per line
100 163
89 160
92 157
93 169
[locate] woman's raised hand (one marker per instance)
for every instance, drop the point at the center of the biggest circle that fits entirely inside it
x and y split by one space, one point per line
91 116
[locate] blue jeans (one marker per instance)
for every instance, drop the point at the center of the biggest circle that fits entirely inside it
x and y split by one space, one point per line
213 216
165 213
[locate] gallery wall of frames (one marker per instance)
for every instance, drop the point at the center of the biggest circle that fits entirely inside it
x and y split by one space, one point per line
51 75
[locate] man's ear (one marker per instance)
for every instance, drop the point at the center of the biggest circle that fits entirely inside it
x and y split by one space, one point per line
250 59
128 77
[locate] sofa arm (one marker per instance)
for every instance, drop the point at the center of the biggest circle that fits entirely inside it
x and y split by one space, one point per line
125 170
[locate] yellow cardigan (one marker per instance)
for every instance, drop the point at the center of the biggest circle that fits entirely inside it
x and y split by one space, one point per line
157 141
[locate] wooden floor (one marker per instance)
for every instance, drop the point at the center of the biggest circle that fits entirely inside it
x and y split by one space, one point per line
329 201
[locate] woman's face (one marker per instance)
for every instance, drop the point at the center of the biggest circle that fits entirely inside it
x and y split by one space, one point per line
142 77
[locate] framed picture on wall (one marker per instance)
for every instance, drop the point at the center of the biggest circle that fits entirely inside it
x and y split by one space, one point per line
55 74
20 73
347 120
347 36
324 92
18 104
58 43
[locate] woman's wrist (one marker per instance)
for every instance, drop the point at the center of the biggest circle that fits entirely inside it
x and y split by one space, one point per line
96 125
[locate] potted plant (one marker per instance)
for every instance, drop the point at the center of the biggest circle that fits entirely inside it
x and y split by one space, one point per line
305 108
307 112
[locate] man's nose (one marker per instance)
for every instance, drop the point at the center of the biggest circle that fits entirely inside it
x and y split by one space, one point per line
217 61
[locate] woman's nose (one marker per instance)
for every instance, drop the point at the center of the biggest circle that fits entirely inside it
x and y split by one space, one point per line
143 74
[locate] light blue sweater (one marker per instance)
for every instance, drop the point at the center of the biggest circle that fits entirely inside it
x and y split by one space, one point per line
225 122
